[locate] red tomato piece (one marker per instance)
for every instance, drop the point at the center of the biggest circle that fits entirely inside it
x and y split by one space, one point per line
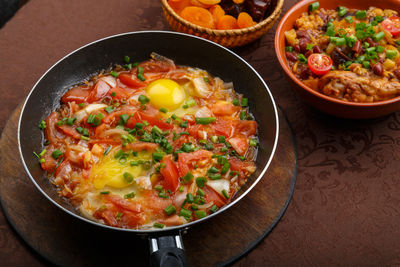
50 163
123 203
186 161
140 116
239 143
99 91
157 66
70 131
140 146
247 128
51 132
211 195
119 93
78 94
224 127
223 108
392 25
114 116
170 174
131 80
319 64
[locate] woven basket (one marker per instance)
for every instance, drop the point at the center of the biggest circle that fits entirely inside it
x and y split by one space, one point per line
227 38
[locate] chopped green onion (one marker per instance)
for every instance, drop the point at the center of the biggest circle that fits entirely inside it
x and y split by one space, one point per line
162 194
129 195
143 99
140 74
214 138
156 130
107 150
351 40
127 59
170 210
309 46
225 194
118 216
189 198
221 139
200 192
214 208
115 74
188 177
81 105
200 181
56 154
183 124
287 49
391 54
200 214
128 177
243 115
134 163
340 41
42 160
194 207
105 192
213 170
361 14
70 121
158 225
206 79
244 102
349 19
157 156
85 138
185 213
379 36
379 49
214 176
341 11
378 19
181 189
314 6
223 149
42 125
124 118
163 110
42 153
206 120
253 142
109 109
235 102
190 103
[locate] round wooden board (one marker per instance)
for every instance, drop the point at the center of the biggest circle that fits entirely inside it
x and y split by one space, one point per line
67 241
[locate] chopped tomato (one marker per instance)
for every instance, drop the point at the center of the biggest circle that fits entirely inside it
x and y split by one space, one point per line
224 127
51 132
319 64
107 141
140 146
123 203
223 108
131 80
240 166
170 174
392 25
64 169
173 220
247 128
78 94
49 162
186 161
70 131
239 143
115 116
119 93
157 66
140 117
211 195
99 91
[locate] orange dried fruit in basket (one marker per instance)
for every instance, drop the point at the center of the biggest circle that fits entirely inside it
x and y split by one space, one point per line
227 22
209 2
244 20
198 3
199 16
178 5
217 12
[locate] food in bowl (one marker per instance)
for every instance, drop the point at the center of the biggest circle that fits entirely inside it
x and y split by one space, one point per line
222 14
148 145
348 54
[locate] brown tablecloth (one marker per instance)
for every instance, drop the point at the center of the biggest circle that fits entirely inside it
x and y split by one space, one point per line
345 209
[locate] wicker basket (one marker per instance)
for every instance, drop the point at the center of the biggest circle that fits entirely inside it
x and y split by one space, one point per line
227 38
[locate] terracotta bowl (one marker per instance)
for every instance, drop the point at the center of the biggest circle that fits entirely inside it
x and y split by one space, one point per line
318 100
227 38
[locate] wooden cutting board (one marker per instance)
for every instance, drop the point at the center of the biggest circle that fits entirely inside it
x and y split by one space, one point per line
67 241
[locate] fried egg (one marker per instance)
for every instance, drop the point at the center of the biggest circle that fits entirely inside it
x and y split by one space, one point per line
166 93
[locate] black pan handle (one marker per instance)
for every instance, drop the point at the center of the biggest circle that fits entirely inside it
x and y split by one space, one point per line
167 251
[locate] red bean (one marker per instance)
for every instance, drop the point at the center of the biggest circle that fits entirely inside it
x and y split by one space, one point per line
397 73
303 45
378 69
308 53
291 56
317 49
297 47
371 42
302 34
304 74
357 47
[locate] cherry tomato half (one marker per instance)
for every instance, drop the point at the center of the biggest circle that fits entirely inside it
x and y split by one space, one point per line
319 64
392 25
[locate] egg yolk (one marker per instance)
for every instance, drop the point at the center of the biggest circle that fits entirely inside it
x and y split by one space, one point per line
165 93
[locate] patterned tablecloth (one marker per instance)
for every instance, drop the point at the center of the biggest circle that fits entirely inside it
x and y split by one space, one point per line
345 209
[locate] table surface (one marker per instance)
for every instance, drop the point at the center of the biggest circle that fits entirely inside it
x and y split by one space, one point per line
345 208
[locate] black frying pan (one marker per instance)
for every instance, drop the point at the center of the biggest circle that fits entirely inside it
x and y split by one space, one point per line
165 244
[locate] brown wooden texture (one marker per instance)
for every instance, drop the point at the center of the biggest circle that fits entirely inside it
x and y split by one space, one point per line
67 241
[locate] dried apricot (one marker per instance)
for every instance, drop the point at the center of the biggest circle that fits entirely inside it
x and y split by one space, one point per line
199 16
178 5
227 22
217 12
209 2
245 20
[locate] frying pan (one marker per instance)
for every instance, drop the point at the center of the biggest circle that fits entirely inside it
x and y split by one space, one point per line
166 246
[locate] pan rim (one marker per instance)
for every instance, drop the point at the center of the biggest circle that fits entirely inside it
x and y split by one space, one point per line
173 228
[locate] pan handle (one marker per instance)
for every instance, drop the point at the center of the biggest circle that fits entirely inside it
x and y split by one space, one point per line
167 251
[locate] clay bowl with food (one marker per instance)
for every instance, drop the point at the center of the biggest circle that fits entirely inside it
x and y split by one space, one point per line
346 55
270 11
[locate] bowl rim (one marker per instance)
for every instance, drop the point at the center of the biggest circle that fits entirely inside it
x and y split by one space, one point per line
262 24
282 60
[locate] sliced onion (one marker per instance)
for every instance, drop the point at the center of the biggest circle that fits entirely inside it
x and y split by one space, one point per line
111 81
87 110
203 112
201 87
205 206
219 185
114 131
78 148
